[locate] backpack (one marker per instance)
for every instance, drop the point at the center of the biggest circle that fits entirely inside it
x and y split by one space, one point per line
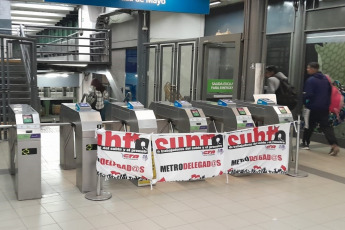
286 94
92 99
337 99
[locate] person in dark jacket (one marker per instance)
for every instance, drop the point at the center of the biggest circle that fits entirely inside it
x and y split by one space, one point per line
317 98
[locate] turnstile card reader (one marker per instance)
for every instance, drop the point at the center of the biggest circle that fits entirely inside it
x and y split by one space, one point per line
25 151
82 107
226 103
133 115
79 141
265 101
184 117
226 115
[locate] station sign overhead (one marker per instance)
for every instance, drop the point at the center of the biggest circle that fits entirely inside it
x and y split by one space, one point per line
179 6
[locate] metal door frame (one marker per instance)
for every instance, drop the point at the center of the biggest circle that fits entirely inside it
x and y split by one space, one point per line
176 60
202 84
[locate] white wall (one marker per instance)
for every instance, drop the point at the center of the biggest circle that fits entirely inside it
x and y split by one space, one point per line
87 19
125 34
171 26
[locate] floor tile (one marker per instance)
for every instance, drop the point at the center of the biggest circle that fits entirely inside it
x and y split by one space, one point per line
47 227
76 224
152 211
209 224
30 210
38 220
143 224
168 221
57 206
129 215
191 216
104 220
66 215
92 210
15 224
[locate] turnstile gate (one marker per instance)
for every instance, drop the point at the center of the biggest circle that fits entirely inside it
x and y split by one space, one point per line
25 151
78 144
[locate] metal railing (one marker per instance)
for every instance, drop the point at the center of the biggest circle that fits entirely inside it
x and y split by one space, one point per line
66 45
16 51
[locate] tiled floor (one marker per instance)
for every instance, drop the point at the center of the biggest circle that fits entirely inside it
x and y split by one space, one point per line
246 203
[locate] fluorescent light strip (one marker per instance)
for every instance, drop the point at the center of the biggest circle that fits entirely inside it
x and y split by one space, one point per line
36 13
215 3
27 19
34 23
41 7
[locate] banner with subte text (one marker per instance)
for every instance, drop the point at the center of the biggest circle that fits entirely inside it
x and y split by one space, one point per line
262 149
188 157
124 155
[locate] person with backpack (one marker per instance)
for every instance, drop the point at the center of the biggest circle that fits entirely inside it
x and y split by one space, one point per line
99 94
277 83
317 99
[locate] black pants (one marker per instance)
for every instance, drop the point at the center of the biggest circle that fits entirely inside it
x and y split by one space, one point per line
321 117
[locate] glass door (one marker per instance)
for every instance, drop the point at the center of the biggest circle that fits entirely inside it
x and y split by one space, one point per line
152 73
220 69
186 71
167 81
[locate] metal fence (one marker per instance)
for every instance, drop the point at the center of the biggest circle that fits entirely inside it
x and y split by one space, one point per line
18 70
71 45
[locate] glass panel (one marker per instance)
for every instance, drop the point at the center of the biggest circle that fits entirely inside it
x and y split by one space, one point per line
325 19
220 68
151 75
186 71
166 74
280 17
329 50
278 52
328 3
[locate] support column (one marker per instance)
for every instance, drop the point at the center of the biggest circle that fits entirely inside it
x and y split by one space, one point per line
254 36
298 51
143 37
5 16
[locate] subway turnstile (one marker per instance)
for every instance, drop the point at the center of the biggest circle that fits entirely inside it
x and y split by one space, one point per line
183 116
133 115
78 145
226 115
134 118
25 151
267 114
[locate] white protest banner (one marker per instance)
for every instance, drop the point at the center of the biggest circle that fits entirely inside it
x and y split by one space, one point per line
124 155
184 157
262 149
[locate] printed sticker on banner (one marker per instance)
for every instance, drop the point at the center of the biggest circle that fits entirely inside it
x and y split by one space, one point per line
262 149
188 157
124 155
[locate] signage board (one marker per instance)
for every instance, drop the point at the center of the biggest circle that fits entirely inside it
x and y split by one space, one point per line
178 6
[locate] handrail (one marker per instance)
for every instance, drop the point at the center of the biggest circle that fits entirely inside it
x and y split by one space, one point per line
6 36
62 28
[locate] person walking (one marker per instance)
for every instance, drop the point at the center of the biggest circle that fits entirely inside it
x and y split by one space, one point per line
101 95
317 99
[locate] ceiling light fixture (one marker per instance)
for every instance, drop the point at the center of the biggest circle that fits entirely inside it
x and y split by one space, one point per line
215 3
36 13
43 7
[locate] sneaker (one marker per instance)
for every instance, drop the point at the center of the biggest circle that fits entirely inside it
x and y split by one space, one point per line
334 151
304 147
